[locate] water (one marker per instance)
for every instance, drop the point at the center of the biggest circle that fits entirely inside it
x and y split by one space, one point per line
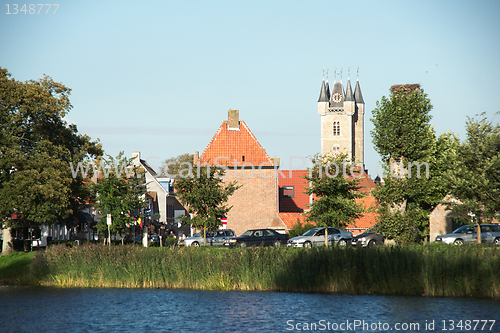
29 309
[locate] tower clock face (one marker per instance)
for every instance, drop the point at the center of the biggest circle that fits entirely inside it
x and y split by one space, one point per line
337 98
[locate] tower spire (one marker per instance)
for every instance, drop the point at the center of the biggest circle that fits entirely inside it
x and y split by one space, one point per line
323 96
348 95
358 97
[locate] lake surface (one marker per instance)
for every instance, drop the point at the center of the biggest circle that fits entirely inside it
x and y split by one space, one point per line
32 309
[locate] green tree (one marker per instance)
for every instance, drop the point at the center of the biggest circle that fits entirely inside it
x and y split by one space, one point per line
36 148
119 191
204 194
334 204
298 229
474 178
172 167
404 138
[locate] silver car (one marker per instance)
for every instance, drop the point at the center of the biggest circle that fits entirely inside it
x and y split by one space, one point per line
316 237
214 238
467 234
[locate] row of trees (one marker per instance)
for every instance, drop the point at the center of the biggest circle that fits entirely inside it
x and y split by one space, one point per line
37 147
467 171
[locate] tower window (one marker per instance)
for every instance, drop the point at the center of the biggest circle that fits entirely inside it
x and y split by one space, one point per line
336 128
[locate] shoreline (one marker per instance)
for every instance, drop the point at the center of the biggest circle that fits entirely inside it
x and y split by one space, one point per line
431 270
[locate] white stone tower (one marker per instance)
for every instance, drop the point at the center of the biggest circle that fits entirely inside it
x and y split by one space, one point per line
342 115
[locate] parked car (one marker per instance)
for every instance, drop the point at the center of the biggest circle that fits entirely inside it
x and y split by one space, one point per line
467 234
316 237
368 238
214 238
258 237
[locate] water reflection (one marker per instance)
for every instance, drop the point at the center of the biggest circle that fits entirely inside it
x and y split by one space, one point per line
26 309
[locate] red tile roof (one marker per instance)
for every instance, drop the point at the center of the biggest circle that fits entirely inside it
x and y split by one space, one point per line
235 144
367 202
290 219
364 222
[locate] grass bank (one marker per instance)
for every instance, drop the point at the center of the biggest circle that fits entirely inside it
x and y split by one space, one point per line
433 270
15 268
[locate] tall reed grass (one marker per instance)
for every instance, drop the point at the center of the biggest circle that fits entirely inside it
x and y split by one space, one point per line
434 270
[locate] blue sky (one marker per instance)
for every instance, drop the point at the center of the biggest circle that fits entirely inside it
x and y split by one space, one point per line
159 76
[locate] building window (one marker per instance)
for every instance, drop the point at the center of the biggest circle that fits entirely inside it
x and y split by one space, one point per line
336 128
336 148
287 191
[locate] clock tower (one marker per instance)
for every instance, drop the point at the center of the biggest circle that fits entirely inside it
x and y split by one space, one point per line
342 115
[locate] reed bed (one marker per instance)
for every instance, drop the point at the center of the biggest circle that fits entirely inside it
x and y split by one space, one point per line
433 270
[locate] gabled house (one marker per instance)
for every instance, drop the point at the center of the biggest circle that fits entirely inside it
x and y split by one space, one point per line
255 204
164 208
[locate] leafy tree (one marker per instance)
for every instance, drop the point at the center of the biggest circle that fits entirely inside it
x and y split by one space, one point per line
173 166
474 178
119 191
299 229
205 194
334 204
36 147
404 138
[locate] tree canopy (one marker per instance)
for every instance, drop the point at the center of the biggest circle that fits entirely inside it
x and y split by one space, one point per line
172 167
474 177
404 138
36 147
334 194
205 194
119 192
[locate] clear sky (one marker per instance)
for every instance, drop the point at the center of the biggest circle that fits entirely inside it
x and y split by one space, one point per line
159 76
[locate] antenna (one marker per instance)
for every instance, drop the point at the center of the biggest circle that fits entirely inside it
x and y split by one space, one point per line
335 75
357 74
349 73
341 68
327 75
323 73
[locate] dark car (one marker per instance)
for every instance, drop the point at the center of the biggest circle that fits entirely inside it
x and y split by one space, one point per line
369 238
256 237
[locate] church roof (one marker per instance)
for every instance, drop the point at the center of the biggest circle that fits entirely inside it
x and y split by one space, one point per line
235 144
327 90
348 95
323 95
357 94
337 89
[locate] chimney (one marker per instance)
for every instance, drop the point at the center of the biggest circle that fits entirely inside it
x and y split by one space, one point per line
196 157
233 120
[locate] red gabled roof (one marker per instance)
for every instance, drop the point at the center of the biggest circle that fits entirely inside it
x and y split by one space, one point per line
235 144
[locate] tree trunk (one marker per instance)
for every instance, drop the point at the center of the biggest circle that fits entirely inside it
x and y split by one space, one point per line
7 241
326 236
204 236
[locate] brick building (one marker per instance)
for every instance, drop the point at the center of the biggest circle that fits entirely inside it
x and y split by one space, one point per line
255 204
